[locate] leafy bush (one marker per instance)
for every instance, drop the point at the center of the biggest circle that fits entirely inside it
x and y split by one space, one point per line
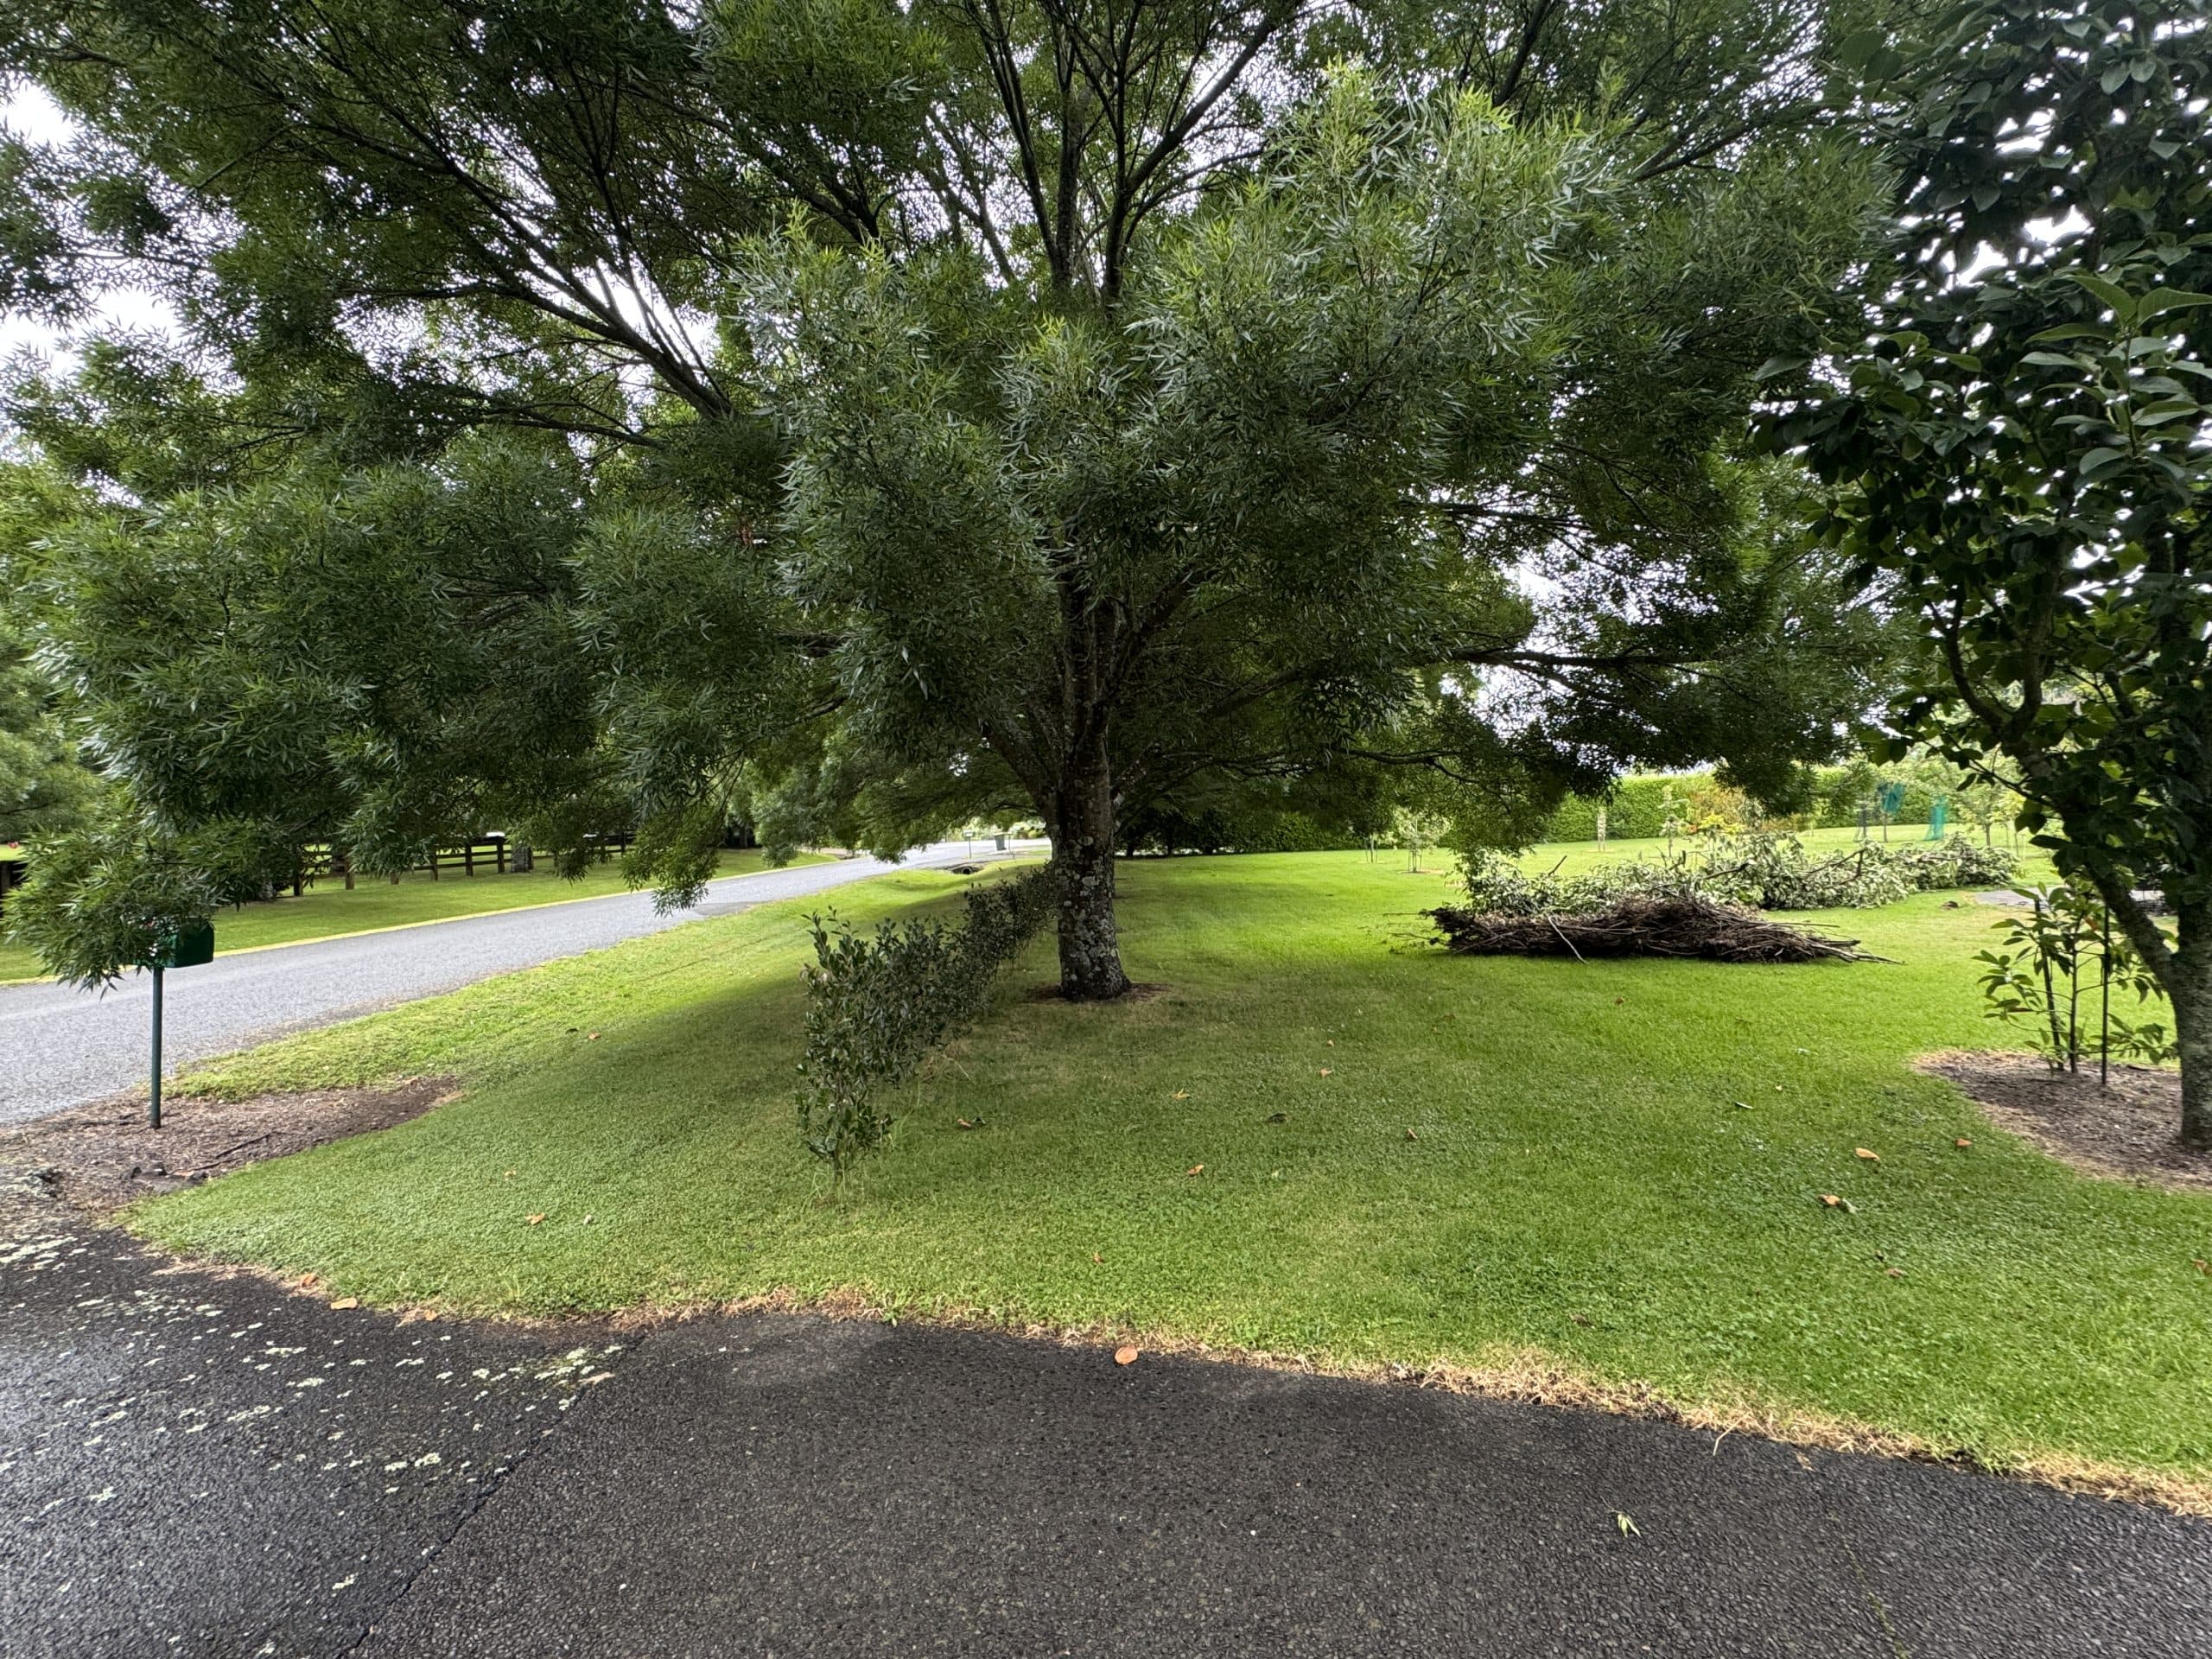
1498 887
1957 862
2036 976
1639 806
1767 871
1776 873
877 1004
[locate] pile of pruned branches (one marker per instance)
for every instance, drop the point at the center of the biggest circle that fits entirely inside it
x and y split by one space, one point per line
1622 910
1685 924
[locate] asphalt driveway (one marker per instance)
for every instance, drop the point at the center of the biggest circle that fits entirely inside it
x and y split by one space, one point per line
192 1464
60 1047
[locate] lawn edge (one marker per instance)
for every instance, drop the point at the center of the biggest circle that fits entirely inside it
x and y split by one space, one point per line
1526 1375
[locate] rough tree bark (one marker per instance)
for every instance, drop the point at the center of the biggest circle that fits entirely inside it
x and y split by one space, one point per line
2190 986
2184 965
1083 852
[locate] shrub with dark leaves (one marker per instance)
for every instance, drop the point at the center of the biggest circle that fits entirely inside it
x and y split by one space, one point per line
876 1004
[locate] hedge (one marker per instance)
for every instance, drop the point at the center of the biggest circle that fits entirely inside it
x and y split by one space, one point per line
876 1004
1637 810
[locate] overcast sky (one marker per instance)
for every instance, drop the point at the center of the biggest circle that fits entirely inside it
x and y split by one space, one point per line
27 112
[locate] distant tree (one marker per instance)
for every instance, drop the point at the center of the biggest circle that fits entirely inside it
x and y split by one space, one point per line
870 414
2024 444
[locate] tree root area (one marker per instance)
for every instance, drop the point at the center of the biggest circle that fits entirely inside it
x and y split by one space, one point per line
102 1156
2126 1132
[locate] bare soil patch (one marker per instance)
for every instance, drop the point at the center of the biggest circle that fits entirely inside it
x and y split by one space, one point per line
102 1156
2126 1132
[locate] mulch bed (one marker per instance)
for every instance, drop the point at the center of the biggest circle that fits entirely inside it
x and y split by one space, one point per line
1686 927
102 1156
2123 1132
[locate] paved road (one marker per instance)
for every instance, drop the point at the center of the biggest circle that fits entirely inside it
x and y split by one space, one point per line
60 1047
199 1466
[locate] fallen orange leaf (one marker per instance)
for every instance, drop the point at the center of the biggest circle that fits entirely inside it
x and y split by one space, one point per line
1196 1169
535 1219
1830 1199
1325 1071
346 1301
1870 1157
306 1282
1125 1355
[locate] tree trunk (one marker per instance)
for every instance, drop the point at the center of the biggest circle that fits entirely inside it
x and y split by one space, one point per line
2184 970
2190 986
1083 852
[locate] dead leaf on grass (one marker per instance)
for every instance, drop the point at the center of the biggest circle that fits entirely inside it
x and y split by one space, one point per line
1962 1142
535 1219
1869 1156
1125 1355
345 1303
1324 1072
1196 1169
1180 1094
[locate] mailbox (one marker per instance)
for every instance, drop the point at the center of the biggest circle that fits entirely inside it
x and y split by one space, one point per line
189 945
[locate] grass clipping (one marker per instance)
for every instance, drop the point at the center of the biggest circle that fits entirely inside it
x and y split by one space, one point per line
1680 924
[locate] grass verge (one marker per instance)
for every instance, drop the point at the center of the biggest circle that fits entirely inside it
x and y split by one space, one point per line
1610 1175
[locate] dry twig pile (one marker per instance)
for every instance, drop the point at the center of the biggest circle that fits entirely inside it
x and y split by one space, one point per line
1677 925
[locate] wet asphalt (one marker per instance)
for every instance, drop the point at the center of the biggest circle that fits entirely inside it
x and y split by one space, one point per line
206 1465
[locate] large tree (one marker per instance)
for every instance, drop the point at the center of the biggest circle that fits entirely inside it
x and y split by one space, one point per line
912 408
2023 444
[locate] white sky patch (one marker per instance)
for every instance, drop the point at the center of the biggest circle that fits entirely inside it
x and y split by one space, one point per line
27 112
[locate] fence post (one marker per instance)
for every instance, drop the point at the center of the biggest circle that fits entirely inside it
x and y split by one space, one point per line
468 858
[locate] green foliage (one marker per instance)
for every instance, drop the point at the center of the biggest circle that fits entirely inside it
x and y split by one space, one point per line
1770 870
908 412
2018 452
45 785
877 1004
97 900
2033 979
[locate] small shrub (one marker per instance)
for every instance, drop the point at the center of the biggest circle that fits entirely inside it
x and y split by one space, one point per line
876 1004
2035 978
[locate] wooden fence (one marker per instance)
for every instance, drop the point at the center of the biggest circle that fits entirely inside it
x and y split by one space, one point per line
490 856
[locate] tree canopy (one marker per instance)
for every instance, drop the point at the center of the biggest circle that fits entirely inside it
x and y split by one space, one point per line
2023 444
867 415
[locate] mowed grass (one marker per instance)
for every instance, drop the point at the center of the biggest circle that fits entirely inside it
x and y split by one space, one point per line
329 909
1616 1168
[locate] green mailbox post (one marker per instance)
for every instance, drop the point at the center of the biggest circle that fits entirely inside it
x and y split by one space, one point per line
187 945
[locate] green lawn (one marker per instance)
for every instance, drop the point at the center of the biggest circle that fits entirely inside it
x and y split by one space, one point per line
1585 1192
329 909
